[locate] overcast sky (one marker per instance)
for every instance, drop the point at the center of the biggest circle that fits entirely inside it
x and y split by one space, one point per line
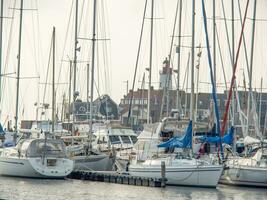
119 21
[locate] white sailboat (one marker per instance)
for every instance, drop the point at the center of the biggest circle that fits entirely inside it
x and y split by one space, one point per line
180 169
36 158
248 171
86 157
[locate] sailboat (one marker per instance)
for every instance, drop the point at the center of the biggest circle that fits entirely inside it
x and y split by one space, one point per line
86 157
181 167
248 171
36 158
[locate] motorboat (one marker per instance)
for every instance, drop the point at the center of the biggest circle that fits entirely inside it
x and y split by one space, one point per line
114 137
36 158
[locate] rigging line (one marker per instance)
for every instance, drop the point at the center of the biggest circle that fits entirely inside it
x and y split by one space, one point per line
166 86
136 64
34 42
104 47
47 71
214 95
106 52
186 72
234 70
227 32
221 58
9 43
231 54
244 39
65 40
41 54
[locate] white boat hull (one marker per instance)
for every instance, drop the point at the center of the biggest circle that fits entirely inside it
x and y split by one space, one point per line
245 176
202 176
33 168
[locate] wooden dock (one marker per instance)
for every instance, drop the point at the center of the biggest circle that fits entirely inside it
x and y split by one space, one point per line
114 177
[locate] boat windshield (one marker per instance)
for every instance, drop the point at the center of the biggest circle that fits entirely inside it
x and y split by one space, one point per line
114 139
54 148
126 139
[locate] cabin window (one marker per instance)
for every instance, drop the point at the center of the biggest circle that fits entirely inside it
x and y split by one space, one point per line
134 139
114 139
126 139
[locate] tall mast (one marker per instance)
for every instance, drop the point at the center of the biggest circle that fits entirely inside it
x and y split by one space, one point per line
53 81
75 48
70 76
214 41
192 63
260 103
93 67
87 90
179 57
150 61
251 62
1 39
18 73
233 59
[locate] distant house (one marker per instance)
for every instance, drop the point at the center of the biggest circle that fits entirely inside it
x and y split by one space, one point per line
103 108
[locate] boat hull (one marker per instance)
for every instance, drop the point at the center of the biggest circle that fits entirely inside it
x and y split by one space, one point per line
99 162
207 176
245 176
33 168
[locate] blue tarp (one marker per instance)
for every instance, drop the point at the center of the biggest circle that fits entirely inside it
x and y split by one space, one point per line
2 132
180 142
227 139
8 143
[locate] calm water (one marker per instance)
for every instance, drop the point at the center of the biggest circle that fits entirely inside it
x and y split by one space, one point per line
19 188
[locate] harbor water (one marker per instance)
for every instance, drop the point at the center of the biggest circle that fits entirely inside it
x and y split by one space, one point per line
37 189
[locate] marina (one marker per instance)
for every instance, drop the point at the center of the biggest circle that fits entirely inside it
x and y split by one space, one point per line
191 122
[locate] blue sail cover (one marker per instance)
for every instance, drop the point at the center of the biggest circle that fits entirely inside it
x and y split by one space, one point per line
227 139
2 132
180 142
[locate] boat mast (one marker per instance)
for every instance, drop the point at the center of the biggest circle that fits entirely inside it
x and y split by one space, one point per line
53 82
251 63
233 60
136 63
70 76
93 68
87 90
192 65
214 43
260 103
179 57
1 43
150 61
18 72
75 48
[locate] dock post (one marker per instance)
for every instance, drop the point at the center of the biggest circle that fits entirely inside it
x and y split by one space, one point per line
163 174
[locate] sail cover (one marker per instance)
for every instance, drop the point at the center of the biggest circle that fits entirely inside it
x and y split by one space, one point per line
180 142
227 139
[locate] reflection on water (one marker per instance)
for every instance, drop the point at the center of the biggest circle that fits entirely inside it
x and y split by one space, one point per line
19 188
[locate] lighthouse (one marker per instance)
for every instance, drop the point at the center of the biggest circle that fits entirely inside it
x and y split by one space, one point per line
165 75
